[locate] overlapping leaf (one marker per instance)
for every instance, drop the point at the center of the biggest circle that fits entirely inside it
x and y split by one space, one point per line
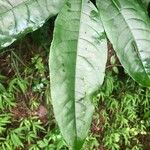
19 17
128 28
77 63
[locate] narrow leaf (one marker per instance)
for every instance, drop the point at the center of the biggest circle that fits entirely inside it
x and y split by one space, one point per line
77 63
128 28
19 17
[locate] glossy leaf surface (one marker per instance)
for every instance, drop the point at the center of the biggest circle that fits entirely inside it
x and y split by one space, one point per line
127 26
19 17
77 64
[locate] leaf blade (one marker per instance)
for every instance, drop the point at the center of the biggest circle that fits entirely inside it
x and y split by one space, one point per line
127 27
75 68
19 17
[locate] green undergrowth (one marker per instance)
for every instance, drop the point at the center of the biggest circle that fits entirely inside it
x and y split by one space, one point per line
26 117
122 118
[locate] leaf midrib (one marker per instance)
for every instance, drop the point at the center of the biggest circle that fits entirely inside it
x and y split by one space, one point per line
80 20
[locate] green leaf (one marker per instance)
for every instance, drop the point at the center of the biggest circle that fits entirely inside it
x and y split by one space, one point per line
19 17
77 63
145 2
128 28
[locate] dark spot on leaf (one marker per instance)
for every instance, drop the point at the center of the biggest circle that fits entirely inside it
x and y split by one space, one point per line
102 36
68 4
94 15
80 99
69 10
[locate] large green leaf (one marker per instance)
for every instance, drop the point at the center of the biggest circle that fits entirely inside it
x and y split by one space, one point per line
77 63
19 17
128 28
